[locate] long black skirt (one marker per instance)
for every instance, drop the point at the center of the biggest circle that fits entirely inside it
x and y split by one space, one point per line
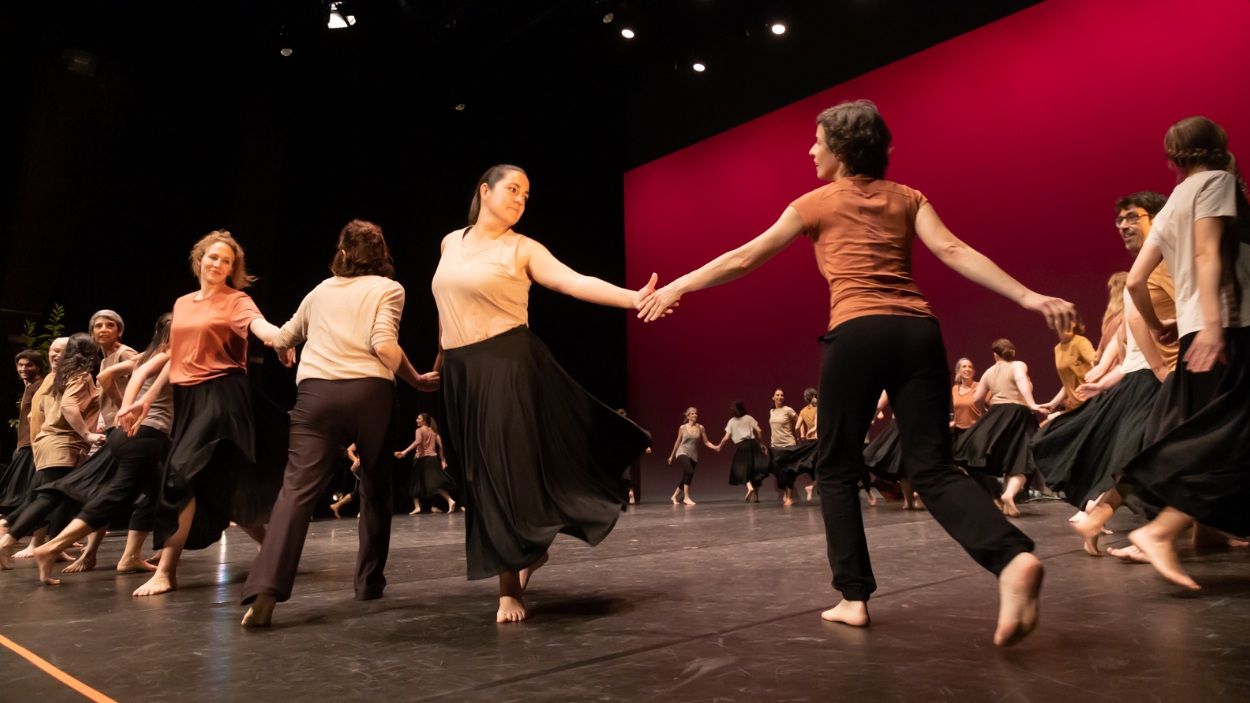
1085 456
88 478
749 464
215 458
539 455
428 478
999 443
789 462
883 456
15 480
1199 460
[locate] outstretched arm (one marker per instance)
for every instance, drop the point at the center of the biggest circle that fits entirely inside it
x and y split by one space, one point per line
976 267
549 272
727 267
706 441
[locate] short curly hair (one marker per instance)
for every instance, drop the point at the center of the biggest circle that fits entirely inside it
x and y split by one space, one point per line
856 133
362 251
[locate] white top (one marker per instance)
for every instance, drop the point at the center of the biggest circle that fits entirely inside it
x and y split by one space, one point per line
340 321
740 428
781 422
1134 360
479 291
1204 194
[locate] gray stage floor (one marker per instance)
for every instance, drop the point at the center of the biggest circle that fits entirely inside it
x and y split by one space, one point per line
719 602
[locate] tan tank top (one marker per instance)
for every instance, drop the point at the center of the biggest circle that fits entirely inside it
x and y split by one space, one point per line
478 291
1002 385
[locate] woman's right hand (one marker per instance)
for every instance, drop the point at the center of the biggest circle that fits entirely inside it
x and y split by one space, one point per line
1058 312
399 455
1167 334
670 460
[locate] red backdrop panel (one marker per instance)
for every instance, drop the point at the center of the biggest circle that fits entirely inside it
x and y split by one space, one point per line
1022 134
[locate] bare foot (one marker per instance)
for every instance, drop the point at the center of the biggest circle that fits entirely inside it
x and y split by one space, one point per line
787 502
916 503
872 500
1129 555
261 612
46 561
131 565
528 571
416 511
1009 506
1090 532
436 510
451 506
1019 585
85 562
510 610
6 558
1204 537
334 508
27 553
809 490
1080 515
674 497
848 612
687 501
750 492
155 586
1162 556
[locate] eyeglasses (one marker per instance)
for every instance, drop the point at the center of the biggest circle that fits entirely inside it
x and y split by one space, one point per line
1129 219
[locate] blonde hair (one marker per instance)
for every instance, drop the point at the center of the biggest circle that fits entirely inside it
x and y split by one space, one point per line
1115 296
238 278
962 359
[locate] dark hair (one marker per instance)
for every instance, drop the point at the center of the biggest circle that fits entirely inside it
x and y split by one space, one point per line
493 175
1004 349
1197 141
160 339
856 133
1078 325
808 394
1147 200
33 356
737 408
82 355
362 251
429 422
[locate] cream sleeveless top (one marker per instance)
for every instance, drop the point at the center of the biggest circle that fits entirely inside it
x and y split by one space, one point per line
478 291
1002 385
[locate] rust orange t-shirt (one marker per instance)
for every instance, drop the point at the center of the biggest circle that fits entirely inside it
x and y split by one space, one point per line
862 230
208 338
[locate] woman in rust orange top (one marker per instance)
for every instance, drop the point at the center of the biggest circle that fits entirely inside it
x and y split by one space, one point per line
882 334
964 408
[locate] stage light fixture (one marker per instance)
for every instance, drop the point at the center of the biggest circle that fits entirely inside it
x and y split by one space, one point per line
698 67
339 18
777 28
286 51
628 33
607 19
460 107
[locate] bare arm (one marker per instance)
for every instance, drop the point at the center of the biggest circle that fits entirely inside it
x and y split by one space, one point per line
1146 342
415 441
1147 260
727 267
1020 371
976 267
549 272
706 442
1207 348
982 393
438 448
105 379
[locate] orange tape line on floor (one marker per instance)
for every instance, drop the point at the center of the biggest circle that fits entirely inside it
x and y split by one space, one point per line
43 664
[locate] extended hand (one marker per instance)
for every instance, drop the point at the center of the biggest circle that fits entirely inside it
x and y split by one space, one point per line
1058 312
653 304
1085 391
1206 351
286 356
428 381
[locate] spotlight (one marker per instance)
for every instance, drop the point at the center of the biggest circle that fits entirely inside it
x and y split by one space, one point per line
698 67
460 107
339 17
607 19
286 51
777 28
628 33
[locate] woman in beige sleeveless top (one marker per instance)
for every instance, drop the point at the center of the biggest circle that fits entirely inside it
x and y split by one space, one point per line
540 456
998 444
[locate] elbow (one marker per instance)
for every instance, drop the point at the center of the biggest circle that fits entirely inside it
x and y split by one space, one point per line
951 251
1136 283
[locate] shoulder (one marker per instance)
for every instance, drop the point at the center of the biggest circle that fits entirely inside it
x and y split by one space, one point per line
1019 366
451 237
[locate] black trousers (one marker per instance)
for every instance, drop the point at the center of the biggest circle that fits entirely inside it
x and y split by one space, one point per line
139 460
904 356
43 508
328 416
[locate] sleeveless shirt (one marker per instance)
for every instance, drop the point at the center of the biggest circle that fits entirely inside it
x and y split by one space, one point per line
478 291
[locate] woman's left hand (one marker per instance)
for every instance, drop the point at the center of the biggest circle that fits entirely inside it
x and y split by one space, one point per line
653 304
1206 351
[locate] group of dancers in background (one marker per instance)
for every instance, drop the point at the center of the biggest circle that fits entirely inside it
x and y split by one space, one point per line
1154 418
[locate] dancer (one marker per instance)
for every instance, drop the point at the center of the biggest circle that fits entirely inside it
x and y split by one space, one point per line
341 500
788 457
1196 466
998 444
1074 357
807 432
750 460
883 457
965 411
429 467
1085 458
883 334
349 326
538 453
70 411
211 476
15 480
686 453
107 328
55 349
103 494
1112 320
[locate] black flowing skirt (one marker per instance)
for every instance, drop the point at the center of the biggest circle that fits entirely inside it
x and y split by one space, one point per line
1198 459
749 464
216 458
15 479
428 478
88 478
883 455
789 462
999 443
1085 456
539 455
